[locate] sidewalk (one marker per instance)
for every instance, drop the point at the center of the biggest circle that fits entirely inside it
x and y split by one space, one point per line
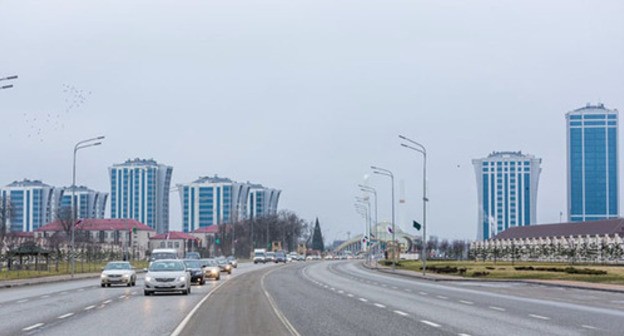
449 278
46 279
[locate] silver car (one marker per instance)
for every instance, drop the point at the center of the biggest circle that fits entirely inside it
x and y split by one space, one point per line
118 272
167 276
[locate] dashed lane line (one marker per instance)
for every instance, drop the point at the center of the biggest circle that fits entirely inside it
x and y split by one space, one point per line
363 299
65 316
589 327
431 324
45 296
466 302
34 326
379 305
400 313
442 297
107 302
539 317
350 295
22 301
89 308
498 308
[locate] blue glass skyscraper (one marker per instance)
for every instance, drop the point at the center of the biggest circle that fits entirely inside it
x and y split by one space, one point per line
507 190
593 183
140 190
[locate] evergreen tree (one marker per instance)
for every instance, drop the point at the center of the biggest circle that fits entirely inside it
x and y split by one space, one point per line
317 238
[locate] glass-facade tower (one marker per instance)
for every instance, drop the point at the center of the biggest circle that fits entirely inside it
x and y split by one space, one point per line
140 190
592 161
507 189
31 205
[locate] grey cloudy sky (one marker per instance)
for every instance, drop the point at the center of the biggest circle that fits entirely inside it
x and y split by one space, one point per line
305 95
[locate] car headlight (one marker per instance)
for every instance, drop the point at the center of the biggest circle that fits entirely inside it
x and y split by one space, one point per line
126 275
148 278
103 275
182 278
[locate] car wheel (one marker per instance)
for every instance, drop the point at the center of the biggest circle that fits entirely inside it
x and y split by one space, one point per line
230 272
130 284
146 293
218 278
103 285
108 285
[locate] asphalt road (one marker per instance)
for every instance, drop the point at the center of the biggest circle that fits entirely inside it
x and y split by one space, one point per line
312 298
82 307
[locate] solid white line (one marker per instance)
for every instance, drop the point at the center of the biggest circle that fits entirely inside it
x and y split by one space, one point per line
65 316
34 326
466 302
276 310
89 308
363 300
400 313
540 317
498 308
589 327
429 323
22 301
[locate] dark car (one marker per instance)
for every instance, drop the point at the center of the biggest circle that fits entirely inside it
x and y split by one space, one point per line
280 256
194 268
224 265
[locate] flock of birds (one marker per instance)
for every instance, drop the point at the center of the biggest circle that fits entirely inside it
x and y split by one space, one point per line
38 124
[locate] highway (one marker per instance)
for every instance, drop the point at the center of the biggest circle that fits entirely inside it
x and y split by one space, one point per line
313 298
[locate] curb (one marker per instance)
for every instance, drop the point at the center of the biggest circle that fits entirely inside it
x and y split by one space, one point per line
530 282
43 282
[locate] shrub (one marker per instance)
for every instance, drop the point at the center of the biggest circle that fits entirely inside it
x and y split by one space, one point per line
490 268
480 274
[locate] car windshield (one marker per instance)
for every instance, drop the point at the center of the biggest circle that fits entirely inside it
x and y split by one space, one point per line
117 266
167 266
192 264
259 254
163 255
208 262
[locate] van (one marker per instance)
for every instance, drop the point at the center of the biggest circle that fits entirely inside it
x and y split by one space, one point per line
259 256
166 253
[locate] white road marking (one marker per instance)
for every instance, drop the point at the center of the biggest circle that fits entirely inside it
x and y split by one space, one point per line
350 295
462 334
89 308
340 292
363 300
423 293
334 289
442 297
22 301
379 305
34 326
466 302
498 308
65 316
539 317
384 285
400 313
123 296
107 302
134 293
589 327
45 296
429 323
408 290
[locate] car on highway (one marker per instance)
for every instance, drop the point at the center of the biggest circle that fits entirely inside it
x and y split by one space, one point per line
194 267
167 275
270 257
280 257
259 256
192 255
224 265
233 261
118 273
211 269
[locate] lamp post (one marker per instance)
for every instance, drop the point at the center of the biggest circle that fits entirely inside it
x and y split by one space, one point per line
8 86
364 211
373 191
365 201
422 150
386 172
80 145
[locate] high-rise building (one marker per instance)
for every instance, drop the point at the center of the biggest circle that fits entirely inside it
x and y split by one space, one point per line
140 190
211 200
262 201
507 189
30 204
89 203
593 184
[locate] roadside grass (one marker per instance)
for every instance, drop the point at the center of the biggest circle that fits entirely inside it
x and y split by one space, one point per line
64 268
505 270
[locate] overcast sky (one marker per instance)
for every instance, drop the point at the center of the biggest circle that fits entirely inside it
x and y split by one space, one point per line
305 95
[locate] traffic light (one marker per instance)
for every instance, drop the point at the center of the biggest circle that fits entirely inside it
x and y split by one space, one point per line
218 241
134 230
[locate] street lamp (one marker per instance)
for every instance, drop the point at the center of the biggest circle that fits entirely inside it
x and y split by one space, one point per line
386 172
373 191
422 150
366 203
8 86
80 145
363 210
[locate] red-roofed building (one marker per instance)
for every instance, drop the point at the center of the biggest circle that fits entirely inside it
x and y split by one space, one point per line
182 242
121 233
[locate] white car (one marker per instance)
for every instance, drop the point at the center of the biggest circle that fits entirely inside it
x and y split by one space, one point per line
169 275
119 273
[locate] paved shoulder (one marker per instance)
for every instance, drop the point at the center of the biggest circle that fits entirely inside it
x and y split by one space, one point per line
237 308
